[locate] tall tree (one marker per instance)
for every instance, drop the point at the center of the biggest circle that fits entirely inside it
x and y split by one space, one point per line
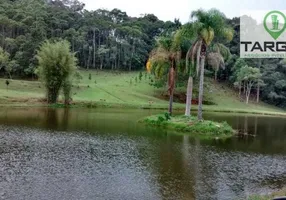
165 58
249 76
186 33
207 26
235 70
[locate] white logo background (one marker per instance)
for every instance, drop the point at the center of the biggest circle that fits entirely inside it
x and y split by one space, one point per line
252 30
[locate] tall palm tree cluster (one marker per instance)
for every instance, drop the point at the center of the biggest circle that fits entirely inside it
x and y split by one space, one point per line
204 32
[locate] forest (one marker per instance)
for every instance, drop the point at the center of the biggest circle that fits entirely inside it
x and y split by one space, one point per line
112 40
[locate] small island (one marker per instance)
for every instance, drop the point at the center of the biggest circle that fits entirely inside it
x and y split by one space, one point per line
204 129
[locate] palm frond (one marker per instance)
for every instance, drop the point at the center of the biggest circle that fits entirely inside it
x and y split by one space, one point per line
211 23
228 33
159 54
188 56
215 60
221 49
190 59
160 69
191 30
165 43
177 40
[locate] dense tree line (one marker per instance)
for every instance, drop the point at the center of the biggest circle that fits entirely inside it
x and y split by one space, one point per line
101 39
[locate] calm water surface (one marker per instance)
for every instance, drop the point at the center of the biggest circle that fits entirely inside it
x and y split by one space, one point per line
105 154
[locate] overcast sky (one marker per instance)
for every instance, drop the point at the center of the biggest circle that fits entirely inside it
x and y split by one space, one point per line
165 10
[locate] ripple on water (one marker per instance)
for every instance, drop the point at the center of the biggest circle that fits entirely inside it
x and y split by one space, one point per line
38 164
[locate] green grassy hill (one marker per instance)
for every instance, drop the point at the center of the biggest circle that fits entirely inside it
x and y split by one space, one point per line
115 89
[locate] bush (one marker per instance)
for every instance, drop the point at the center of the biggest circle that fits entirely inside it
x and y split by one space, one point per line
167 116
7 82
161 119
56 64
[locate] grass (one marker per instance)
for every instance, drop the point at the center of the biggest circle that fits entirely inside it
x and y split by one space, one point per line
113 89
279 193
104 88
201 129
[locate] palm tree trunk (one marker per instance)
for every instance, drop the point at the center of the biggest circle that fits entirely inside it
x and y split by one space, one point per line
189 96
171 84
197 46
201 89
198 57
171 103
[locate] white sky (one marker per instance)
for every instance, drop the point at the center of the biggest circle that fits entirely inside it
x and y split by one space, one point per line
168 10
260 14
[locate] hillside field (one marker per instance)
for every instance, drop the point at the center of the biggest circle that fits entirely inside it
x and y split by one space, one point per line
120 89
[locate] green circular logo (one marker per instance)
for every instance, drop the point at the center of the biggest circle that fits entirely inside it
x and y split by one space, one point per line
275 23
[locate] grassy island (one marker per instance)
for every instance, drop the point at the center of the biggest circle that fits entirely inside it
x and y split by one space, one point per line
202 129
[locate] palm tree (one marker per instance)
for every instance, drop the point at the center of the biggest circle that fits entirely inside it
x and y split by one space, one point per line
191 68
164 57
217 56
206 26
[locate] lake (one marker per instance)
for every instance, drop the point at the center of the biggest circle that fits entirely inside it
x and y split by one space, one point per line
105 154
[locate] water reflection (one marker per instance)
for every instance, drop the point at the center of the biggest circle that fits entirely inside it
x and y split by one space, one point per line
106 154
266 134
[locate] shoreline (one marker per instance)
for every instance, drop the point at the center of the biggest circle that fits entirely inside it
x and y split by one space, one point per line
177 107
115 91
